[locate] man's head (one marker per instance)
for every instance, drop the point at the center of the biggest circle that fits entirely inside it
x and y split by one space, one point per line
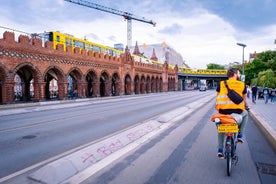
233 73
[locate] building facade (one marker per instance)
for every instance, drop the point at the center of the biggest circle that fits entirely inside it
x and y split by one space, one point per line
30 71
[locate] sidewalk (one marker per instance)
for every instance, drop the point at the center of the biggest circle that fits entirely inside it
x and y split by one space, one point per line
265 115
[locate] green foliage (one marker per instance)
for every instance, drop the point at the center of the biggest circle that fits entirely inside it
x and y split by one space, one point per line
265 79
215 66
261 71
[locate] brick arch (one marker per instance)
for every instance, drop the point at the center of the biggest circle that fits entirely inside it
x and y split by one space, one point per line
148 88
104 87
160 84
169 84
128 84
153 84
157 83
31 80
91 78
137 84
115 84
173 84
75 83
53 90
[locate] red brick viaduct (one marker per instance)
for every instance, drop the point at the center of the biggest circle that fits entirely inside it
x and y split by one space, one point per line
92 74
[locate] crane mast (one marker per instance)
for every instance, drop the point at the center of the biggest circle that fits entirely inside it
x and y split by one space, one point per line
127 16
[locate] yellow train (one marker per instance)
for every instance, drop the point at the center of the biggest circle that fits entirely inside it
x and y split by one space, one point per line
202 71
69 40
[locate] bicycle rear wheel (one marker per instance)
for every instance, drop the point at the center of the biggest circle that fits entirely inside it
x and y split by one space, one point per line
229 164
228 155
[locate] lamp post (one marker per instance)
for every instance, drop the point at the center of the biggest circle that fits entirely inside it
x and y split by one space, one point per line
243 46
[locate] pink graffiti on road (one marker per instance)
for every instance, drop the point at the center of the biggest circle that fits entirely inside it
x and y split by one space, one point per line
139 133
107 150
102 151
89 157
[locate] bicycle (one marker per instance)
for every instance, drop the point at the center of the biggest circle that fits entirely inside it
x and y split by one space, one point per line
230 155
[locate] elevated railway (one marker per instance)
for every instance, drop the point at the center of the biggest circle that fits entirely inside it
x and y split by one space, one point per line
189 78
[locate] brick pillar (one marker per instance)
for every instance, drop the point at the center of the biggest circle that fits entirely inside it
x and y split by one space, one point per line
62 90
96 89
82 89
8 95
42 87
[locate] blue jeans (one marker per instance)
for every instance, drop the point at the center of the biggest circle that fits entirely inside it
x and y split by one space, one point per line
266 98
221 136
272 99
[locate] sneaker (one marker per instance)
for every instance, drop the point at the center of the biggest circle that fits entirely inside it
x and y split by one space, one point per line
240 140
220 153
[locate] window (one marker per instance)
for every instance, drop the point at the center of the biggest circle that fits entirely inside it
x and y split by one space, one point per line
78 44
96 48
58 38
68 42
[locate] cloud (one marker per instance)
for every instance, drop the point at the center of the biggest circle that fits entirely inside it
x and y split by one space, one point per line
202 33
173 29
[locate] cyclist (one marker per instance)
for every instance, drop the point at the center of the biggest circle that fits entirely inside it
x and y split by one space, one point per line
225 106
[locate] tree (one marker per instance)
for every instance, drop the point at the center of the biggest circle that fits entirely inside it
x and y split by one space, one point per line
215 66
265 61
266 78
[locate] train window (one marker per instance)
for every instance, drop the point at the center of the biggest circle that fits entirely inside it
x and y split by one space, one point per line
87 46
78 44
96 48
104 51
68 42
58 38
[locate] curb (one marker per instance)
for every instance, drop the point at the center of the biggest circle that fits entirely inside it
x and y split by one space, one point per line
265 128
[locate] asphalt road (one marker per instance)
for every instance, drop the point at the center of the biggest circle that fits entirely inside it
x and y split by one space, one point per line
34 134
184 152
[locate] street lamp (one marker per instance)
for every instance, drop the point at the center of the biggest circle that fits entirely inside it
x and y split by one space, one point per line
242 45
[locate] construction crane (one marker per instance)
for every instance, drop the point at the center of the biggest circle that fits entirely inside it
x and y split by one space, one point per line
127 16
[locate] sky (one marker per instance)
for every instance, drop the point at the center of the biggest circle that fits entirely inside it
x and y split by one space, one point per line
202 31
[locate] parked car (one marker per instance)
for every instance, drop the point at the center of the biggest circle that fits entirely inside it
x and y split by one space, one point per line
202 88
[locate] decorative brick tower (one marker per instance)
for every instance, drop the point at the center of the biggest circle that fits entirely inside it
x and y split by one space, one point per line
153 57
136 50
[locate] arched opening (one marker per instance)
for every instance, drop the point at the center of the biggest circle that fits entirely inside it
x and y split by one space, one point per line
91 79
148 85
53 82
142 85
153 85
157 85
127 85
115 85
136 85
103 84
161 85
74 89
24 84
